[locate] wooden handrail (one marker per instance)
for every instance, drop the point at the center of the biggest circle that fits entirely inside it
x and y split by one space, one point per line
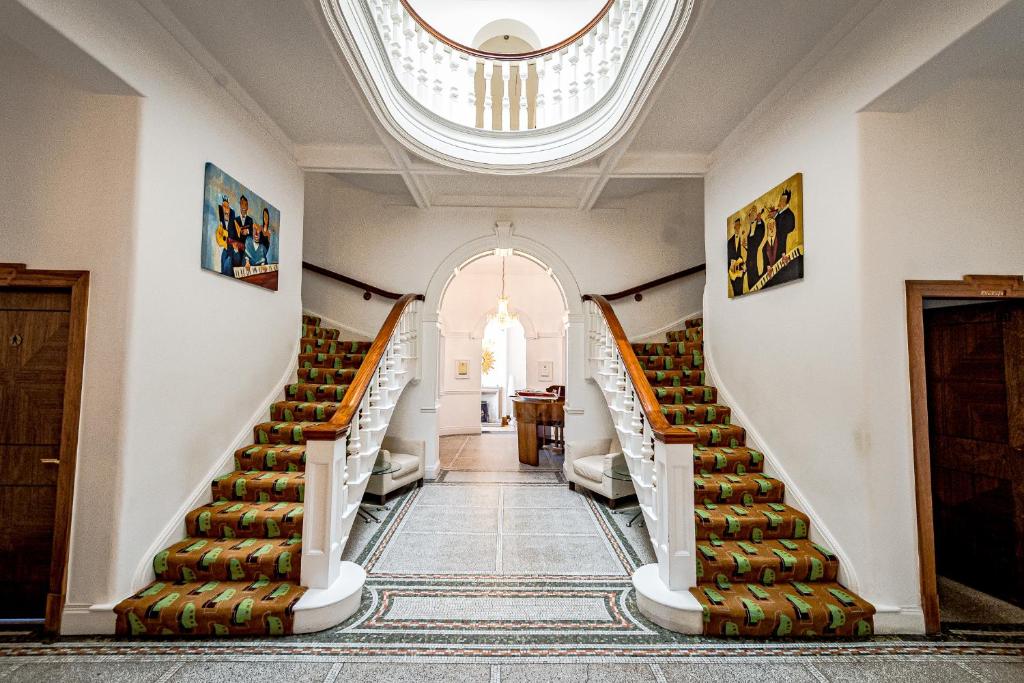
502 56
368 290
663 431
342 418
635 292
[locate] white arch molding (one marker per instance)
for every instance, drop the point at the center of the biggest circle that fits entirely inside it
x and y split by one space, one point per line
585 411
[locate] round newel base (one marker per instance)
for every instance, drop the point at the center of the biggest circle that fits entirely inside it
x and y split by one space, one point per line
674 610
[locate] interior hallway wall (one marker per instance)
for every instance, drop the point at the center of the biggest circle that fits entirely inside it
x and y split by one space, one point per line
197 355
805 361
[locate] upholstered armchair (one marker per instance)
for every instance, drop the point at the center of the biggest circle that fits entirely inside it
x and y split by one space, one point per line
403 461
588 464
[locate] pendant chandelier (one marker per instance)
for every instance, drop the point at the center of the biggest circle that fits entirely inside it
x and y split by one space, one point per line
503 316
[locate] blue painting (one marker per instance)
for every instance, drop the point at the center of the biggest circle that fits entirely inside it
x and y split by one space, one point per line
241 231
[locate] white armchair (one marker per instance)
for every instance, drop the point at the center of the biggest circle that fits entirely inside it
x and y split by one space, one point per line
405 457
588 463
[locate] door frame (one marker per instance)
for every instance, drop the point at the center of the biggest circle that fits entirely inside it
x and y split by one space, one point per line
982 288
77 282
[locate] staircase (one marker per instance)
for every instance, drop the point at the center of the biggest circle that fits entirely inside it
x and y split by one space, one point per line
757 574
239 571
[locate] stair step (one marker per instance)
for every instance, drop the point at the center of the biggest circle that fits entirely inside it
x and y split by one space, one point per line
747 489
331 360
281 432
750 522
675 378
668 349
320 332
690 394
257 486
271 458
765 563
326 375
225 519
718 434
248 559
695 322
320 345
797 609
697 413
315 393
303 411
213 608
725 460
695 334
311 320
692 361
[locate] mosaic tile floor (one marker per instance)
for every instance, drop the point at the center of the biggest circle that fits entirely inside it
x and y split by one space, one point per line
497 577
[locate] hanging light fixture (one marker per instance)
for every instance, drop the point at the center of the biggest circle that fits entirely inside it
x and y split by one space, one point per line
503 316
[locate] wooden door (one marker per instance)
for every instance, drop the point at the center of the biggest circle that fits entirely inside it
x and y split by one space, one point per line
34 329
975 374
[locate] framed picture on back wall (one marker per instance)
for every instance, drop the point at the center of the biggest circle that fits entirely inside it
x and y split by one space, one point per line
766 239
241 231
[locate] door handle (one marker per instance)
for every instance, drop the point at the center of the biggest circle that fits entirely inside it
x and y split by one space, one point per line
50 461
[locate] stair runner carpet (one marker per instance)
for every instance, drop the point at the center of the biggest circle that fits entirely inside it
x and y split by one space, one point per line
237 573
758 574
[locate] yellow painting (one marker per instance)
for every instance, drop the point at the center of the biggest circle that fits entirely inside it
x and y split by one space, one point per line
766 239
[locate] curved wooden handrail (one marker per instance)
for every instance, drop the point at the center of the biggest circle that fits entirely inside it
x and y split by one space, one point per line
635 292
663 431
342 418
502 56
368 290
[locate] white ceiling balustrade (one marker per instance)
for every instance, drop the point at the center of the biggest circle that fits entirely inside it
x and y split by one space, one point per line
526 112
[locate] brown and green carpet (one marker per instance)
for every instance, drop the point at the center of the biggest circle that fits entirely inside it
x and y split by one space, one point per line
237 573
759 575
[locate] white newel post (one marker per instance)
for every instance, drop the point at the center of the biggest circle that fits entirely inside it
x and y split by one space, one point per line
676 534
324 503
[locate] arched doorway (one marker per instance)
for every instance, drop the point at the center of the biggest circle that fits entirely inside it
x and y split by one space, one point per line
502 327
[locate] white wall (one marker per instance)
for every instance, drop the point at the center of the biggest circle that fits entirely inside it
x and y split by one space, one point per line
818 368
182 400
354 232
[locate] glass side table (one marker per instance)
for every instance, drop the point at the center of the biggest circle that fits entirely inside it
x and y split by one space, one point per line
365 509
622 474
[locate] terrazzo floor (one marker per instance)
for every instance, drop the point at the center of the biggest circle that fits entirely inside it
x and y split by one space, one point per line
497 572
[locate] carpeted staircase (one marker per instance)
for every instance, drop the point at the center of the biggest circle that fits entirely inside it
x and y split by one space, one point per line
238 571
759 575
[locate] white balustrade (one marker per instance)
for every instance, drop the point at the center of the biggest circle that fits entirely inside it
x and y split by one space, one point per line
337 470
662 472
570 79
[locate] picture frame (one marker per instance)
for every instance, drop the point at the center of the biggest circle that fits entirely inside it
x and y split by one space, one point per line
545 370
462 368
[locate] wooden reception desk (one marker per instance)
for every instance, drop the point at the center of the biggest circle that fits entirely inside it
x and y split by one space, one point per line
538 422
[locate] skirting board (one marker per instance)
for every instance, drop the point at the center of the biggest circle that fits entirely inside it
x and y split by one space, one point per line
83 619
899 620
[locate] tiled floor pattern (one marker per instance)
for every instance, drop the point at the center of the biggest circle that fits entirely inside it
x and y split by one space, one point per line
509 580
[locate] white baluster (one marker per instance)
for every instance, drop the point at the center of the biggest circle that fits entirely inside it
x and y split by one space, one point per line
558 76
409 27
615 40
574 80
523 99
488 94
506 116
437 54
471 68
589 77
540 113
603 65
454 83
423 67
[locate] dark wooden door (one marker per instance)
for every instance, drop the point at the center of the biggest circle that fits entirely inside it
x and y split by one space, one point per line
975 370
34 325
